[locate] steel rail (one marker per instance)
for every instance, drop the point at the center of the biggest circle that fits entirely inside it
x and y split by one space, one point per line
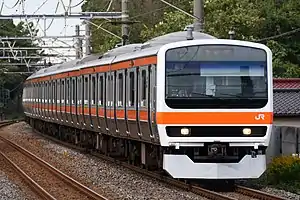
87 191
256 193
35 186
189 187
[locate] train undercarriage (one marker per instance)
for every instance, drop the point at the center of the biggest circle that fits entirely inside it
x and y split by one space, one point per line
145 155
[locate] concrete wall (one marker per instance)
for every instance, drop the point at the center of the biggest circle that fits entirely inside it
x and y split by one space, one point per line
285 140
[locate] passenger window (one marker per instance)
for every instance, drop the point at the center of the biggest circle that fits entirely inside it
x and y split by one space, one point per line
114 82
144 88
67 92
73 92
109 93
55 92
100 92
79 91
50 92
86 90
42 92
93 90
131 89
58 92
63 91
120 86
46 93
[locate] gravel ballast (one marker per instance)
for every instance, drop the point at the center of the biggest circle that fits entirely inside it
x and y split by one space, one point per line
12 186
115 182
9 190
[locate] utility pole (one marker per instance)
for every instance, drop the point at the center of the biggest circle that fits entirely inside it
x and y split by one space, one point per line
125 18
87 38
199 13
78 43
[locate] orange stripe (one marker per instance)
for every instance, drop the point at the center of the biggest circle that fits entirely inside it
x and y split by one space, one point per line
86 71
213 118
60 76
74 73
145 61
121 65
109 112
105 68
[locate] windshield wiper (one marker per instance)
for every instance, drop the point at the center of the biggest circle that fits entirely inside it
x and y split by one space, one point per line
206 95
183 74
241 96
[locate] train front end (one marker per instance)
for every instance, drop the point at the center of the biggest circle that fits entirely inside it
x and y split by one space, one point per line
214 108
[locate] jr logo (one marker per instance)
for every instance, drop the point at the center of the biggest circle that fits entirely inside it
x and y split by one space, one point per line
260 117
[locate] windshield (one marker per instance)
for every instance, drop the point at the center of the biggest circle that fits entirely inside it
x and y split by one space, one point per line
208 76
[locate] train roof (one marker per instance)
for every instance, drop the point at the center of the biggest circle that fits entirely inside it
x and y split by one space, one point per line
175 37
118 54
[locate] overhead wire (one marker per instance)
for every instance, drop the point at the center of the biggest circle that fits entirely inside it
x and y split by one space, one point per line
279 35
56 9
147 13
15 5
74 6
40 7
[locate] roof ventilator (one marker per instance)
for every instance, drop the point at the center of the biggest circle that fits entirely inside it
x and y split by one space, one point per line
189 35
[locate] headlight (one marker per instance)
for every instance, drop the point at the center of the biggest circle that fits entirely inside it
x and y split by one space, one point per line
185 131
247 131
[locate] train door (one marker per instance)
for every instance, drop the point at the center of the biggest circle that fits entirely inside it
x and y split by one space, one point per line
80 102
37 99
131 102
120 103
47 100
33 98
55 100
74 101
101 114
52 100
63 100
109 102
152 102
59 100
86 101
42 99
114 118
67 101
93 99
143 95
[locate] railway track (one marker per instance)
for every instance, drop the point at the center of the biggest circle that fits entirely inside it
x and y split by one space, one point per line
239 192
41 176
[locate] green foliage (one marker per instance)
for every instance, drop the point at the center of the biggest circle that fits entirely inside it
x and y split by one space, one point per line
284 171
251 20
13 82
141 12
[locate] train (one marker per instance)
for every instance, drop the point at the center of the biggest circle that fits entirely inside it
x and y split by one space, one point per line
186 103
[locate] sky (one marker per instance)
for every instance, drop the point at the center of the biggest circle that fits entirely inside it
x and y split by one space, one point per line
59 26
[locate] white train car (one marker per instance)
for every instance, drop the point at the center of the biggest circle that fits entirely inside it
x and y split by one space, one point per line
198 109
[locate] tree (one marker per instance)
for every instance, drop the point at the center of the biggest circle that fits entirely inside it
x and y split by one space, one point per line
281 17
146 13
251 20
13 82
